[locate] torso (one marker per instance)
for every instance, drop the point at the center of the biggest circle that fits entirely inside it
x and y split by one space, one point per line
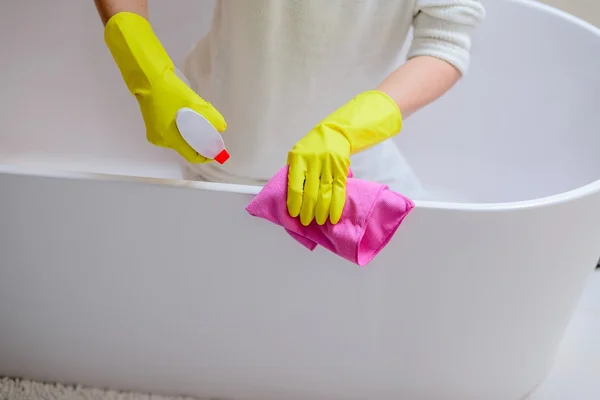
275 68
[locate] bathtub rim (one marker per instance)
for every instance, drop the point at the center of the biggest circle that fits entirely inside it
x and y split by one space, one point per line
556 199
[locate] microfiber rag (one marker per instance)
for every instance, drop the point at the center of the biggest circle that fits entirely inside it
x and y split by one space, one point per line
372 214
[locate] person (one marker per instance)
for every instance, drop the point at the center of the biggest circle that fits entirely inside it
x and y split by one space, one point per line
320 81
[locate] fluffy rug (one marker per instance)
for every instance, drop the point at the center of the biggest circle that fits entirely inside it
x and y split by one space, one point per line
21 389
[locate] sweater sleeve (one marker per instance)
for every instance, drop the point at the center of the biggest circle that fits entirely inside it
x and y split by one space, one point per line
442 29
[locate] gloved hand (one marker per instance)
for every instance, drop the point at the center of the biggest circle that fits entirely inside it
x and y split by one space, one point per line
150 75
319 162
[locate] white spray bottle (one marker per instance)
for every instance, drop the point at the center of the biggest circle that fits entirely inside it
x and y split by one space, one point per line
201 135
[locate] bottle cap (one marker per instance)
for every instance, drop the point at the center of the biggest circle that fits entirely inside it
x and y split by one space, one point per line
222 157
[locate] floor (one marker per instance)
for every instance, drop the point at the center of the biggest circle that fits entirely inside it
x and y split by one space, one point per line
576 373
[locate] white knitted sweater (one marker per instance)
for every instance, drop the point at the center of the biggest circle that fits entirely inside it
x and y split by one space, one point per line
275 68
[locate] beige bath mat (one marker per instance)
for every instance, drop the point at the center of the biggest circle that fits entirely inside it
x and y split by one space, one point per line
20 389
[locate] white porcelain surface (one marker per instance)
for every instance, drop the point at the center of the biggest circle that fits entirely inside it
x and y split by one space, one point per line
169 286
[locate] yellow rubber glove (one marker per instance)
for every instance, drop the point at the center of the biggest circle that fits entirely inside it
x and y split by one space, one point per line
319 162
150 76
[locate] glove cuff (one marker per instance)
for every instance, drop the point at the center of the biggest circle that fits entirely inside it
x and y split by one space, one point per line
138 53
368 119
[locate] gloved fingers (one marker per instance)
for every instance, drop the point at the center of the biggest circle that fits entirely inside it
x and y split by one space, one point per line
213 116
323 206
186 151
296 177
310 195
193 157
202 107
338 197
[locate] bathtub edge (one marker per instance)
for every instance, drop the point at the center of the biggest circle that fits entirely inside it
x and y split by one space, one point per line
571 195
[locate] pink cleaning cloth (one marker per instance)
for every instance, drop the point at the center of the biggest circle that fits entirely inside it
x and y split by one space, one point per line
371 216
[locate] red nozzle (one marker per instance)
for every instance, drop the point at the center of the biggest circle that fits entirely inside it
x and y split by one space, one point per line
222 157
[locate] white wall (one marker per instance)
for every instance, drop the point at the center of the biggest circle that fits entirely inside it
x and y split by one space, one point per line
53 55
586 9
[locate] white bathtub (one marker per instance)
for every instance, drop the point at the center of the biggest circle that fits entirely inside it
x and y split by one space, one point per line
115 273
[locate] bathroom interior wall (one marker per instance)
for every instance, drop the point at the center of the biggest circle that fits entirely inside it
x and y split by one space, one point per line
67 62
588 10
